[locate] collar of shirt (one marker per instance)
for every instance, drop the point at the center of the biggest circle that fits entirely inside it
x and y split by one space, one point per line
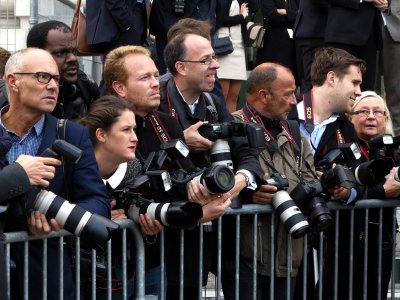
192 107
29 143
319 128
116 178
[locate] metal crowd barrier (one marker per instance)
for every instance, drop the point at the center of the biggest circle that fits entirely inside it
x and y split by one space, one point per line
216 290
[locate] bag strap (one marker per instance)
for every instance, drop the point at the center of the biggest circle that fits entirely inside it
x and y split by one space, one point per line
211 106
74 25
61 128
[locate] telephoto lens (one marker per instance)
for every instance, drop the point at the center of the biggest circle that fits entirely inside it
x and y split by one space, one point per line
94 229
180 214
372 171
291 216
319 214
217 179
221 153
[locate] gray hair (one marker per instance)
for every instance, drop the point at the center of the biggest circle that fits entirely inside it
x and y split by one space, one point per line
16 63
366 94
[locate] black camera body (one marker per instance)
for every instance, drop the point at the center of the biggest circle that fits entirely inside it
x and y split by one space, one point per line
308 196
339 175
385 147
278 180
252 131
345 154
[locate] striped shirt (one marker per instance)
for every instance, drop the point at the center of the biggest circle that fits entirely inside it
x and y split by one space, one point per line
28 144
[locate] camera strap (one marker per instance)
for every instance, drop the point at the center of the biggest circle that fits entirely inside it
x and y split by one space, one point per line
159 127
175 108
61 128
309 118
271 143
308 111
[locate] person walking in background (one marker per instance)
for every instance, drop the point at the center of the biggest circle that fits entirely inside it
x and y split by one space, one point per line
231 21
390 60
279 16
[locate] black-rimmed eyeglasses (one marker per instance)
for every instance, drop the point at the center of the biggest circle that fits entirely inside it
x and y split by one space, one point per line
42 77
205 61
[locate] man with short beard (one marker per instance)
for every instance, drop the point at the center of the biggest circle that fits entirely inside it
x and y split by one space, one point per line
77 90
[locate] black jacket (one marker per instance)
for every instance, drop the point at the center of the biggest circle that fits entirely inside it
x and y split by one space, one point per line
351 22
74 99
163 15
311 19
329 140
243 158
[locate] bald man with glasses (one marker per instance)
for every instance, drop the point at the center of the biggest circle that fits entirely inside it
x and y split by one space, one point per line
33 79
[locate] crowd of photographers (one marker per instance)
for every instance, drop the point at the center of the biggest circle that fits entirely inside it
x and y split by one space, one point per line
166 153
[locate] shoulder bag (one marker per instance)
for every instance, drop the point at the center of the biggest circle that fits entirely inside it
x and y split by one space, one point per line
78 28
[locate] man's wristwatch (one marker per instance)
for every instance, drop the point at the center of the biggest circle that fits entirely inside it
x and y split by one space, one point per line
246 177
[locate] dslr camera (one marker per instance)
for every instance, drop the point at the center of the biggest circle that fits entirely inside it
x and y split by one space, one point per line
94 229
179 214
309 198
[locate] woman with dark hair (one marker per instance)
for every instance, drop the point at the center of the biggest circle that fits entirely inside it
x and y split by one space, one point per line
111 125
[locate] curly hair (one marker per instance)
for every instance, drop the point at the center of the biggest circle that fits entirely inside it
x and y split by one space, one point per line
37 35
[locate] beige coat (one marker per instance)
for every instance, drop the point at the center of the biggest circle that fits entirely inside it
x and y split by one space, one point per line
264 221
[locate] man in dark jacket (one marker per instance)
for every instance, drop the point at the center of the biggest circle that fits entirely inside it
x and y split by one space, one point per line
77 90
132 75
186 96
336 76
32 78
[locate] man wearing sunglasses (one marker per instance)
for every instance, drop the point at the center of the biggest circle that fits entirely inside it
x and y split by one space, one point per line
32 79
77 90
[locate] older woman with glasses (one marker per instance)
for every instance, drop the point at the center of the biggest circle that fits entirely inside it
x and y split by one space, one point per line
371 118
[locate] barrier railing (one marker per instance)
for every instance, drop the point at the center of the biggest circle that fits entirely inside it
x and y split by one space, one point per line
254 211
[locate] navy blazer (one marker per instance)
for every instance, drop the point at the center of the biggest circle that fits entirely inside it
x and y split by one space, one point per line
85 186
163 15
351 22
311 19
107 19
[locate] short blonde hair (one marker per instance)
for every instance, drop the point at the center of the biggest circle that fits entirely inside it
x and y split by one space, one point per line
114 66
366 94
